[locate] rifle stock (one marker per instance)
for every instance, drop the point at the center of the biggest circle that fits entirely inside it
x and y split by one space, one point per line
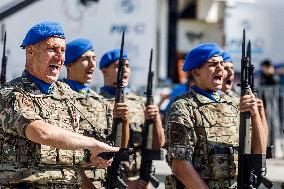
147 170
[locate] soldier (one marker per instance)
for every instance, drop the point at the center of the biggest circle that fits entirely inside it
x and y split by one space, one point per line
138 113
42 145
81 64
229 75
202 126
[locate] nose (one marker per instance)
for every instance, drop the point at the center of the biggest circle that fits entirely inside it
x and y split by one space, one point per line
126 70
60 55
220 65
230 72
92 62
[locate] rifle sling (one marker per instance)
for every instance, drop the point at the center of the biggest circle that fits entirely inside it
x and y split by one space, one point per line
82 113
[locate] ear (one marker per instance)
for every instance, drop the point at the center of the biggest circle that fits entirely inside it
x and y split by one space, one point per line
104 70
68 65
29 51
195 72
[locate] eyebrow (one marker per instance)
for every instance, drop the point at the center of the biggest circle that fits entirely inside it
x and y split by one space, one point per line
54 46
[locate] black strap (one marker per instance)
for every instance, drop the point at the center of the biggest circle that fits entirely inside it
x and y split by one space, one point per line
224 150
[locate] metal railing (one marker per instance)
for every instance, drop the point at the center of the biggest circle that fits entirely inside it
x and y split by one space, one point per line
273 98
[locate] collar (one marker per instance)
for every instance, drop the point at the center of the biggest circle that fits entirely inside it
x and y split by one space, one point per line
111 90
44 87
78 87
214 96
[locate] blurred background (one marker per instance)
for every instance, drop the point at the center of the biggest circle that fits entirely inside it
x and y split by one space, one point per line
171 28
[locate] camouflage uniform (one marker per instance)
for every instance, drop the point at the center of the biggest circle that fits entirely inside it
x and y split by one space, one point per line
136 108
97 113
25 164
206 134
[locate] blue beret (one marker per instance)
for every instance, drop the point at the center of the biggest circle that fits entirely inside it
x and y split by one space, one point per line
110 57
76 48
226 57
199 55
42 31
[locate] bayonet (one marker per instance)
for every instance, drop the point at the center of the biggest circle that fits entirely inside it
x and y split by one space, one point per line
4 63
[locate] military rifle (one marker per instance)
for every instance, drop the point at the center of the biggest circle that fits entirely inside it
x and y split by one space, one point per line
4 63
250 166
120 133
147 170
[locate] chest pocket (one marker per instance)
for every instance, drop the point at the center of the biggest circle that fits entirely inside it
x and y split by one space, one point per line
137 119
216 129
95 112
135 135
136 111
221 122
58 112
223 162
17 151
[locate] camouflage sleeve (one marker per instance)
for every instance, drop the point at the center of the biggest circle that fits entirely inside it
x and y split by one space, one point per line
179 131
17 111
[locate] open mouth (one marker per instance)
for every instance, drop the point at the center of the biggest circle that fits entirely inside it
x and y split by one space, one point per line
90 72
229 82
218 77
54 68
125 79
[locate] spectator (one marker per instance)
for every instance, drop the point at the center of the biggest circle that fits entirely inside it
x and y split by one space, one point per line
267 74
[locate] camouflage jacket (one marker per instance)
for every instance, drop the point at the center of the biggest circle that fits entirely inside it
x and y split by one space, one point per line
23 160
136 108
97 113
96 123
206 134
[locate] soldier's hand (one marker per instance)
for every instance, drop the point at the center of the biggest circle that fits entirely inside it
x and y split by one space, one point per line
137 184
260 106
248 103
100 162
152 112
120 111
99 148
